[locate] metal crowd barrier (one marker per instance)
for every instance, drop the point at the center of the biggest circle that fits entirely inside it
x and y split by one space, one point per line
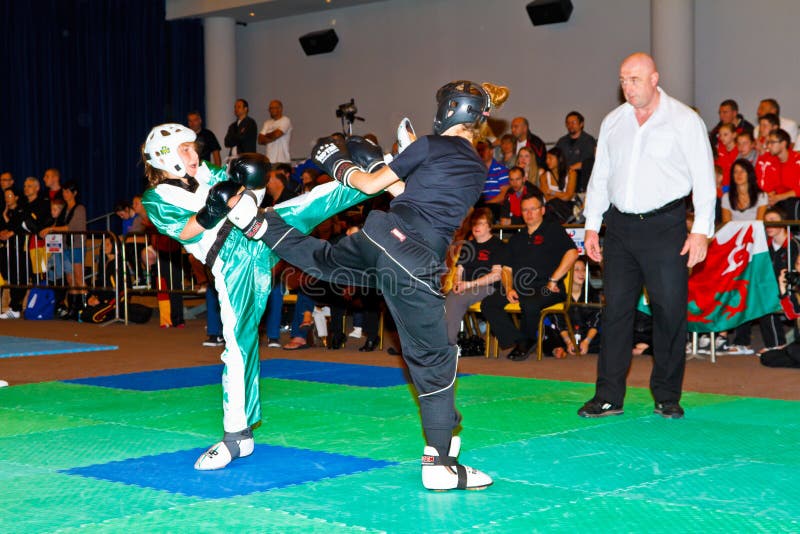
68 261
150 270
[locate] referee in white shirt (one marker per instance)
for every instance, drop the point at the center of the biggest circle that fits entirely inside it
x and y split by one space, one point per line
652 152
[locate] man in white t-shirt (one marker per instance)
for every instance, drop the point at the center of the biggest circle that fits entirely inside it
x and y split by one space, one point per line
276 133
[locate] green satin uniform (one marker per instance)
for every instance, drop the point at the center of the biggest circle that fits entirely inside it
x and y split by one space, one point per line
242 274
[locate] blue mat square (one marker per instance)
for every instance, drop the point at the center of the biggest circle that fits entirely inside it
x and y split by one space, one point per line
268 467
156 380
11 346
330 373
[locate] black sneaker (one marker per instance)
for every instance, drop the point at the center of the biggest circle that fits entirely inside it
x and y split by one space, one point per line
600 408
669 410
214 341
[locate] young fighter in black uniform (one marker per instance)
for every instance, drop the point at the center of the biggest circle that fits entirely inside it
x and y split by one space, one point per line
402 252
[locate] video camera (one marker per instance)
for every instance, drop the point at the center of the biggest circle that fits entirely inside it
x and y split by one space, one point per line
347 112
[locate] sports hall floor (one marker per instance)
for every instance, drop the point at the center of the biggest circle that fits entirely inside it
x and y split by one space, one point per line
104 441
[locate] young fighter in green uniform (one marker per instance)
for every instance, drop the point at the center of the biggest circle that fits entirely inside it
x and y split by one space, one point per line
188 201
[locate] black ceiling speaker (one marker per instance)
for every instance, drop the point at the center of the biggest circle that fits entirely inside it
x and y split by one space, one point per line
549 11
320 42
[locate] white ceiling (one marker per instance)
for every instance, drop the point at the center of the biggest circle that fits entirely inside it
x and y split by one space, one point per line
249 11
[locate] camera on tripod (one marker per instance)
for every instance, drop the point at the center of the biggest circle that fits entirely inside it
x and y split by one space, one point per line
347 112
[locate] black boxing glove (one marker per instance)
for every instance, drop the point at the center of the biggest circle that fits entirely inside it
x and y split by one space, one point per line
365 153
334 160
250 170
216 207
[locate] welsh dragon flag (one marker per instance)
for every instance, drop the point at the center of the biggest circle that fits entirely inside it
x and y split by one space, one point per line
735 283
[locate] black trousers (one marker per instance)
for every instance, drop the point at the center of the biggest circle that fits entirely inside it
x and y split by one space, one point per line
389 256
644 252
531 303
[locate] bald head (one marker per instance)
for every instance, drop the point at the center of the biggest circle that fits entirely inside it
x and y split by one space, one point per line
639 80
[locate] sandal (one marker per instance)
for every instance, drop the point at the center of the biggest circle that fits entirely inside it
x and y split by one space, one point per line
296 343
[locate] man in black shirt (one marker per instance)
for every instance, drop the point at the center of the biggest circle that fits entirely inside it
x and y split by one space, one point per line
537 260
207 145
243 132
578 148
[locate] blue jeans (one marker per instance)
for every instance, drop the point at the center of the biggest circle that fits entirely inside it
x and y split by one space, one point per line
213 320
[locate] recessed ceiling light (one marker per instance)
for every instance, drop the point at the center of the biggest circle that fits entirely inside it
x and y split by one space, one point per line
252 14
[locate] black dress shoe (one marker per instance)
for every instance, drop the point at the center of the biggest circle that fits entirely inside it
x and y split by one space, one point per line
370 345
337 341
669 410
518 354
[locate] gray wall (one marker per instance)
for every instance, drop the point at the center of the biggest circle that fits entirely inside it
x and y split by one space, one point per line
393 55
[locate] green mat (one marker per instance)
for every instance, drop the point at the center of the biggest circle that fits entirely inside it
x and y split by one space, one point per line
731 465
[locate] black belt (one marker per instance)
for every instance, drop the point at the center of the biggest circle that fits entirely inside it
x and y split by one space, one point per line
222 235
658 211
416 224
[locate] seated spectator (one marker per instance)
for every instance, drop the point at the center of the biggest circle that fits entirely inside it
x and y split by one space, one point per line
558 186
785 195
505 153
537 260
746 145
744 201
519 188
585 319
788 355
497 178
527 162
477 273
783 252
766 124
727 152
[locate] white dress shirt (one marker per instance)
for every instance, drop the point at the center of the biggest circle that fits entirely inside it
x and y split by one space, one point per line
642 168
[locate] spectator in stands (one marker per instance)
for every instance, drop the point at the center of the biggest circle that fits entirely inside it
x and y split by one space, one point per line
536 262
497 178
784 253
11 248
276 133
74 220
744 200
276 189
506 152
477 272
557 183
37 216
520 129
770 105
242 132
131 222
6 182
527 162
727 152
519 188
585 319
766 125
785 194
207 144
52 181
578 148
746 145
729 114
309 179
